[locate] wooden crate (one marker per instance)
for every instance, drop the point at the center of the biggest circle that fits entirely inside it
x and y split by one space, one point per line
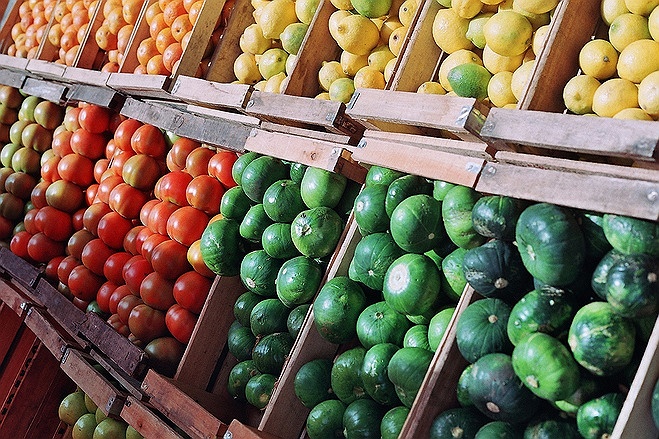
11 17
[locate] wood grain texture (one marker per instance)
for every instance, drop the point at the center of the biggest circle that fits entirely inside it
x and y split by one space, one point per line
12 78
84 76
13 63
49 336
228 49
210 94
145 421
88 47
47 90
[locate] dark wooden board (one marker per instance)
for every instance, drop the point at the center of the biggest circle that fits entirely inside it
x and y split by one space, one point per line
103 96
48 90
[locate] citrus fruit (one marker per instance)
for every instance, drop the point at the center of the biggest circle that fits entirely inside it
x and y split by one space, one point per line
508 33
521 78
369 77
388 26
333 22
290 63
467 8
598 58
431 87
389 69
496 63
499 89
536 6
648 94
578 94
632 114
371 8
245 69
627 28
475 29
611 9
292 37
271 62
72 407
379 57
461 56
330 72
341 90
274 83
406 12
351 63
396 39
638 60
252 40
614 95
344 5
110 428
306 9
449 31
641 7
469 80
653 24
275 16
84 427
357 34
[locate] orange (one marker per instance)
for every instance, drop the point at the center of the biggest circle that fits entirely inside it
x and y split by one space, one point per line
131 10
113 56
164 39
92 8
32 53
171 54
140 70
172 10
79 6
25 22
180 27
194 11
54 34
162 4
105 39
110 5
67 20
186 40
115 20
151 12
69 4
70 56
80 35
110 67
40 19
24 10
48 10
16 30
157 24
187 4
146 50
123 36
155 66
80 18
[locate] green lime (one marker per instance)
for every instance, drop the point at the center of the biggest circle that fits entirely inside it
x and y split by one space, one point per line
469 80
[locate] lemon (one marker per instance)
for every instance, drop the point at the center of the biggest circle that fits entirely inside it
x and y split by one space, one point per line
638 60
388 26
496 63
334 19
357 34
535 6
396 40
369 77
521 78
431 87
540 39
598 58
341 90
614 95
389 69
628 28
578 94
505 5
260 85
449 31
611 9
344 5
246 70
290 64
292 37
406 12
641 7
499 89
324 96
445 3
275 16
475 29
306 9
273 84
272 62
351 63
252 40
536 20
648 94
469 80
256 4
461 56
508 33
491 2
632 114
379 57
653 24
371 8
330 72
467 8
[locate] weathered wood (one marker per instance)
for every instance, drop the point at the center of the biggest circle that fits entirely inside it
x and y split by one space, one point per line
13 63
46 422
11 327
19 269
306 132
221 66
164 117
129 383
151 86
103 96
65 313
47 90
12 78
210 94
47 333
145 421
46 69
23 346
238 430
223 115
84 76
140 33
221 132
14 299
88 47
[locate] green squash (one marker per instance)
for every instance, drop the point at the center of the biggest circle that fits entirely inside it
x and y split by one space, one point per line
347 201
404 187
259 390
453 277
551 243
407 369
654 404
325 421
239 376
631 235
362 419
296 319
222 248
482 329
601 272
259 174
416 224
336 309
416 337
298 281
346 375
411 284
277 242
593 232
438 326
244 305
271 352
378 323
597 417
440 189
379 175
553 428
496 216
297 171
374 374
322 188
632 287
282 201
240 341
495 269
312 384
601 340
373 256
499 430
393 421
369 211
258 272
254 223
457 423
234 204
241 163
588 389
546 367
462 389
268 316
456 211
316 231
547 310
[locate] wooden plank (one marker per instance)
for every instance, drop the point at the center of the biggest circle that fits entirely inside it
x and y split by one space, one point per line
19 269
225 133
568 132
23 345
84 76
140 33
47 90
65 313
420 160
228 49
11 17
47 333
130 384
145 421
305 132
92 382
103 96
238 430
13 63
11 327
223 115
12 78
635 419
210 94
152 86
89 49
13 299
46 69
167 118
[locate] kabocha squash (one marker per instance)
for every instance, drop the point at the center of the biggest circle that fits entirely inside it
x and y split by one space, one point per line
258 272
632 286
277 242
496 216
326 420
322 188
312 384
546 367
239 376
553 428
268 316
499 430
336 309
407 369
631 235
654 404
393 421
404 187
440 189
298 281
482 329
374 374
437 327
547 310
416 337
240 341
373 256
282 201
462 389
259 389
244 305
254 223
240 164
411 284
551 243
416 224
378 175
362 419
497 391
297 171
453 277
222 247
260 174
457 423
601 340
234 204
296 319
588 389
316 231
271 351
601 272
346 375
379 323
597 245
369 211
458 203
597 417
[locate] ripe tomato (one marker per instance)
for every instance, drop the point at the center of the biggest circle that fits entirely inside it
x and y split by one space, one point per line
55 224
148 140
180 323
49 170
64 195
169 259
65 266
141 237
90 194
42 249
124 132
220 165
94 118
118 326
28 221
129 240
119 158
191 290
93 216
112 229
76 218
151 243
94 255
180 150
77 169
18 245
61 144
100 167
158 216
103 295
186 225
51 268
205 192
197 262
172 186
147 323
126 305
38 194
141 171
134 272
71 119
127 201
119 293
146 209
157 292
89 144
77 242
165 353
84 284
80 304
113 267
106 186
197 161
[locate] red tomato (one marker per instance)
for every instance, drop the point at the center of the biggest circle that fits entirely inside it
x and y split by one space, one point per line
141 171
171 166
134 272
142 236
124 132
110 149
205 192
28 221
42 249
191 290
71 119
118 326
127 201
220 165
118 160
83 283
103 295
89 144
147 323
61 144
165 354
113 267
115 121
112 229
159 215
186 225
49 170
180 150
94 119
93 216
64 195
100 167
180 323
146 209
51 268
90 194
149 140
170 259
126 305
119 293
55 224
76 218
95 254
65 266
197 161
197 262
77 242
6 228
129 240
18 245
172 186
151 243
106 186
77 169
38 194
80 304
157 292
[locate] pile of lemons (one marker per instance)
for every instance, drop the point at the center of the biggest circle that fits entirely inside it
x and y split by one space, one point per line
370 34
270 46
489 47
619 77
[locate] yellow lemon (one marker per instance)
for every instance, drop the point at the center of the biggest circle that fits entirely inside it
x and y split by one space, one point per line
653 24
638 60
290 64
369 77
499 89
536 20
406 12
389 69
449 31
648 94
505 4
273 84
614 95
457 58
628 28
508 33
431 87
611 9
521 78
379 57
491 2
496 63
275 16
306 9
252 40
330 72
246 70
341 90
292 37
396 40
641 7
272 62
372 8
578 94
344 5
540 39
357 34
536 6
351 63
334 19
475 29
632 114
260 85
598 58
467 8
388 26
324 96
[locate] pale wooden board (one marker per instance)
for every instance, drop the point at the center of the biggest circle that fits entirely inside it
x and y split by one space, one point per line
13 63
13 298
12 78
151 86
50 91
44 330
567 132
46 69
103 96
168 118
299 109
238 430
228 49
635 420
305 132
85 76
223 133
210 94
222 114
147 423
419 160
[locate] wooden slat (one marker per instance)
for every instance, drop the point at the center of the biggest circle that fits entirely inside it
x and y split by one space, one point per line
130 384
239 430
46 423
223 115
153 86
20 270
103 96
12 78
11 327
147 423
564 132
167 118
228 49
210 94
47 90
307 132
89 48
226 133
84 76
47 333
59 307
14 299
140 33
46 69
13 63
